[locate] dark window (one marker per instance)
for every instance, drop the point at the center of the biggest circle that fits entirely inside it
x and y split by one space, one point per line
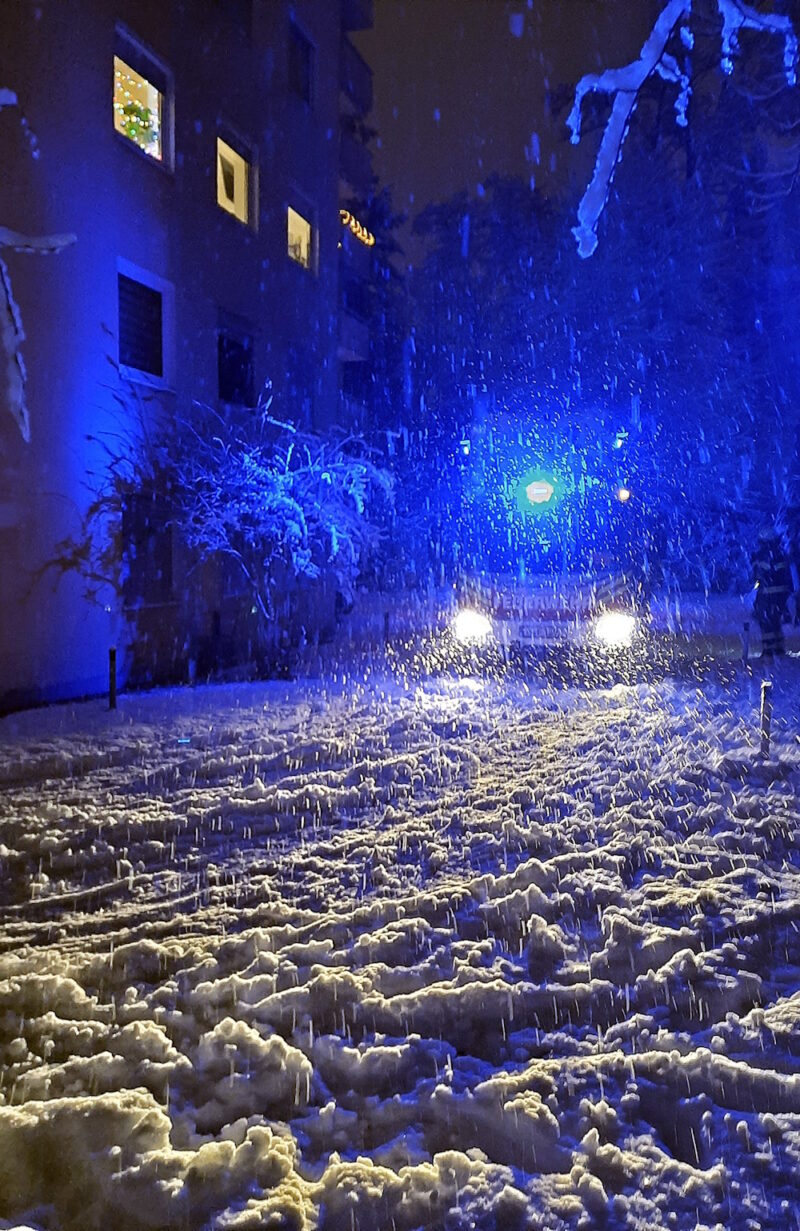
235 369
300 382
141 326
147 540
356 380
356 296
301 65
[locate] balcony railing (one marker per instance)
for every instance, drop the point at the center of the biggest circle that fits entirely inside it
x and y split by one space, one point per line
355 163
355 78
355 259
355 296
353 337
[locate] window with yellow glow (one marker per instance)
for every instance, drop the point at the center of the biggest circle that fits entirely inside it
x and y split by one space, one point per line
138 109
233 181
301 239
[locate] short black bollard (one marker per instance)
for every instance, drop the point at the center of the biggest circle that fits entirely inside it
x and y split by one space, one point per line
112 677
386 627
766 716
746 642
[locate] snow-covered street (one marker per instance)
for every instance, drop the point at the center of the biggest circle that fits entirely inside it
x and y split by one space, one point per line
360 957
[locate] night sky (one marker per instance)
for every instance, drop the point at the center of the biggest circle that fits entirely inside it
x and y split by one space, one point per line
461 87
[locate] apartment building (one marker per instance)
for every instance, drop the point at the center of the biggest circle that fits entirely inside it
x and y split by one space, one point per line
208 156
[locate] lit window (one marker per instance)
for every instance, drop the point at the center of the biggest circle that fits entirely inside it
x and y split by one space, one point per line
301 239
138 109
233 181
301 65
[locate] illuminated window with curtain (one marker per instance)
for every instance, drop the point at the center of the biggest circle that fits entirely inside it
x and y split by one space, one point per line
234 176
300 235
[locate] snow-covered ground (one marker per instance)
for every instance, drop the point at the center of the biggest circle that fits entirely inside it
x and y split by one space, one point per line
372 957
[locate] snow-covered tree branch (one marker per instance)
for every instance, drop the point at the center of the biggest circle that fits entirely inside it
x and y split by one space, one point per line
624 85
12 334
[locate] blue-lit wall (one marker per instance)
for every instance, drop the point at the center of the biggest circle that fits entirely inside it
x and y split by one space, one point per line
89 180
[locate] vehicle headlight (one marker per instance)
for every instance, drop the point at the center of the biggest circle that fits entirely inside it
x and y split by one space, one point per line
615 629
471 627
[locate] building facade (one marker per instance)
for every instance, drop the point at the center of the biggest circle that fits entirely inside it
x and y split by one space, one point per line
208 156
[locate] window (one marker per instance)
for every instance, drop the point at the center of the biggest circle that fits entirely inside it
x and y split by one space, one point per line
356 380
141 327
300 234
147 544
138 108
142 99
146 332
233 181
301 65
300 383
235 367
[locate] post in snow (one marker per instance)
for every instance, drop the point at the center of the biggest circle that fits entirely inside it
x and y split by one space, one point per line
766 716
112 677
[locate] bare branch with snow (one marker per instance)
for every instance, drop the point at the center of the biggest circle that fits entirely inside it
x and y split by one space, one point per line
33 243
625 85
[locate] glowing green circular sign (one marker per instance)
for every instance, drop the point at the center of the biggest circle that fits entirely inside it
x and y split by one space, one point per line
536 491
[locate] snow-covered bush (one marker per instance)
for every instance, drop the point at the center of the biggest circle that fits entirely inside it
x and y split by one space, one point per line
240 489
273 500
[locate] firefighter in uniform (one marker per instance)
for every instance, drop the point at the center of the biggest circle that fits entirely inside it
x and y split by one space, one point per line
773 586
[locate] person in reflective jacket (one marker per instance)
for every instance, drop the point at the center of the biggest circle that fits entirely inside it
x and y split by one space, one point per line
773 586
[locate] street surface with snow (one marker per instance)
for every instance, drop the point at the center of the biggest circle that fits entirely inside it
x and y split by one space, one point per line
366 955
